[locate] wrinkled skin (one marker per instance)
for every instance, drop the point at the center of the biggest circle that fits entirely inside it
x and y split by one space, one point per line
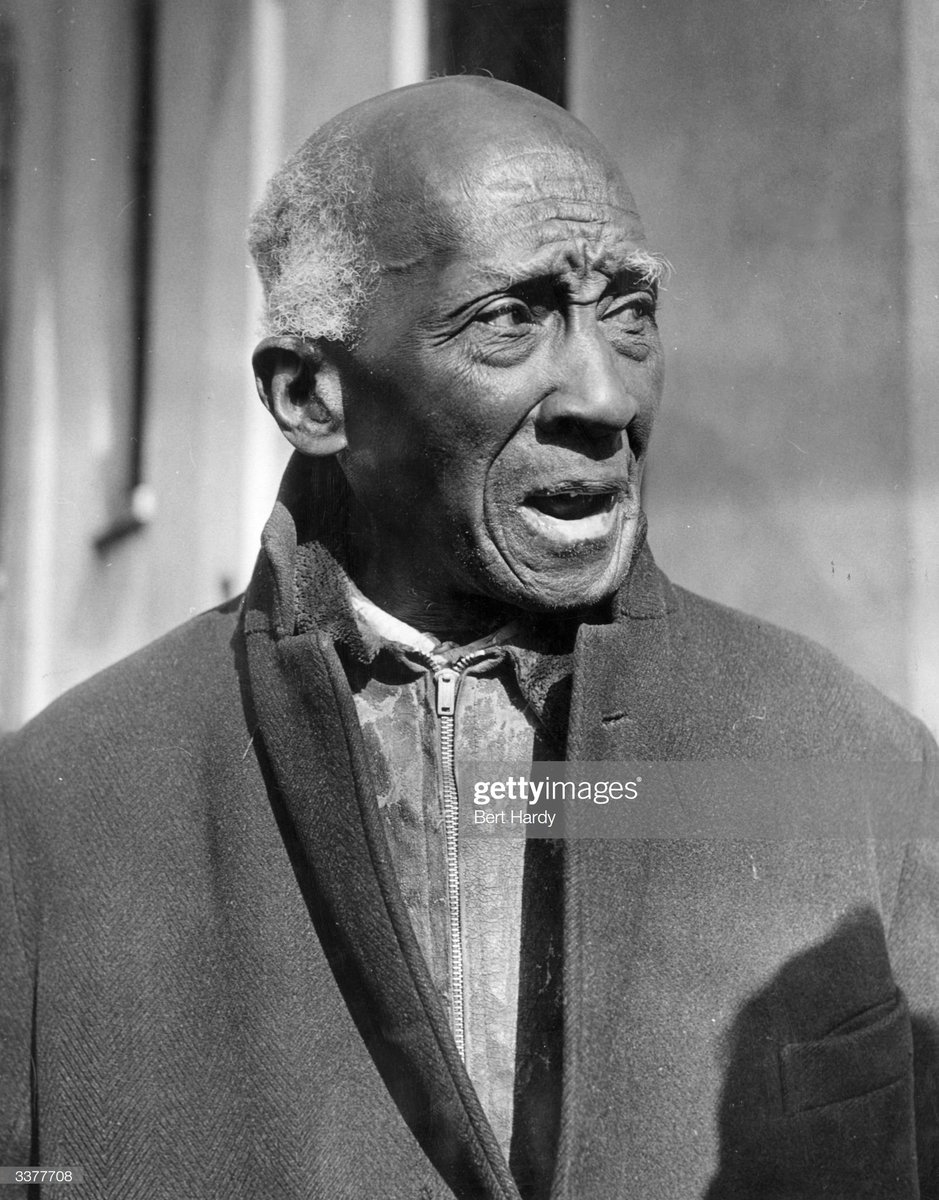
499 401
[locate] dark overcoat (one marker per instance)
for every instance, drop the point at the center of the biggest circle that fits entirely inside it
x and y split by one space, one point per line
210 987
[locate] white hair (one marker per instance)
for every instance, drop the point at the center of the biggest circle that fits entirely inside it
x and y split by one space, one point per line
309 241
649 266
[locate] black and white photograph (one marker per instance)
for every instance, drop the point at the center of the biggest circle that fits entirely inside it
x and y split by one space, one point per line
469 599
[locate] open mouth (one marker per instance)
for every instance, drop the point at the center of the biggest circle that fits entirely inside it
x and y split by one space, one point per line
570 513
574 505
575 501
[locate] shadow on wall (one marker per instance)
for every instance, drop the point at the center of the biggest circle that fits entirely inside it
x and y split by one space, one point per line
818 1101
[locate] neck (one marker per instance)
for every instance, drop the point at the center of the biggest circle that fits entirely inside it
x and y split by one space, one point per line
452 619
403 585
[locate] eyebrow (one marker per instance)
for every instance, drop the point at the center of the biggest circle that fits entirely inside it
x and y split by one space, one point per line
644 267
648 266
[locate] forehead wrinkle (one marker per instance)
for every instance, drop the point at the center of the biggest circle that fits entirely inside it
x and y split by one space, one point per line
556 224
525 196
563 161
595 237
549 217
425 213
562 175
403 265
502 234
551 210
477 244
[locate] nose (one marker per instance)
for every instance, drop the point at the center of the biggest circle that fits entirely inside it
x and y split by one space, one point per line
591 393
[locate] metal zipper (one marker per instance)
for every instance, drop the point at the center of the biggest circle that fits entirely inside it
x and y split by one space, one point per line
446 683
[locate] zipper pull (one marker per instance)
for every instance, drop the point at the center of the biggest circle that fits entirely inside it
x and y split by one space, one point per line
446 681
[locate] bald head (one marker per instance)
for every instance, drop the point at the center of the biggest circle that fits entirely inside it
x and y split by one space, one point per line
443 120
404 177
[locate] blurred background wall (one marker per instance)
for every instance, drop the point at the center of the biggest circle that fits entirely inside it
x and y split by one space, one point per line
784 159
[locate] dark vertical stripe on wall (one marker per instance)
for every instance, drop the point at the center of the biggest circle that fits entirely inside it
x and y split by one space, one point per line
144 146
520 41
132 516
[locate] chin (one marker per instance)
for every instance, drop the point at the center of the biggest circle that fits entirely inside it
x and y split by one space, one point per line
563 595
559 584
543 565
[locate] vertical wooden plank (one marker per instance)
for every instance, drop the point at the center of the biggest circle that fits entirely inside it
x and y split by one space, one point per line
409 42
264 449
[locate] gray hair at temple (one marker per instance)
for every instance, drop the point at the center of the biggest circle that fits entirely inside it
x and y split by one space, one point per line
310 242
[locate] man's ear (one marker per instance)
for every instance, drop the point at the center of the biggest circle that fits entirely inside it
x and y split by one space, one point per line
300 386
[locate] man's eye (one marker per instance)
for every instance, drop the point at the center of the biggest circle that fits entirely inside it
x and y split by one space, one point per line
507 314
629 309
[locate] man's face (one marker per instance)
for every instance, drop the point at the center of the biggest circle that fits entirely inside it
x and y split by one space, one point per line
499 401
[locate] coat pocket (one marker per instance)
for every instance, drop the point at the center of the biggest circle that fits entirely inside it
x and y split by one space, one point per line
874 1052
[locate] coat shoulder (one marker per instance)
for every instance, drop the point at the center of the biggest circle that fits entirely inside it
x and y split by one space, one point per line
742 664
161 703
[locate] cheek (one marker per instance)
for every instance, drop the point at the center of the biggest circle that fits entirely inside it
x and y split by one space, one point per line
474 411
429 468
425 427
461 440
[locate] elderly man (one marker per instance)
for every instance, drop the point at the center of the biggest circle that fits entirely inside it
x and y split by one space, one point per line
248 952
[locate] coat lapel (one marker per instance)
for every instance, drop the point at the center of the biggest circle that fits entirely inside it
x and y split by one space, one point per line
625 702
625 706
